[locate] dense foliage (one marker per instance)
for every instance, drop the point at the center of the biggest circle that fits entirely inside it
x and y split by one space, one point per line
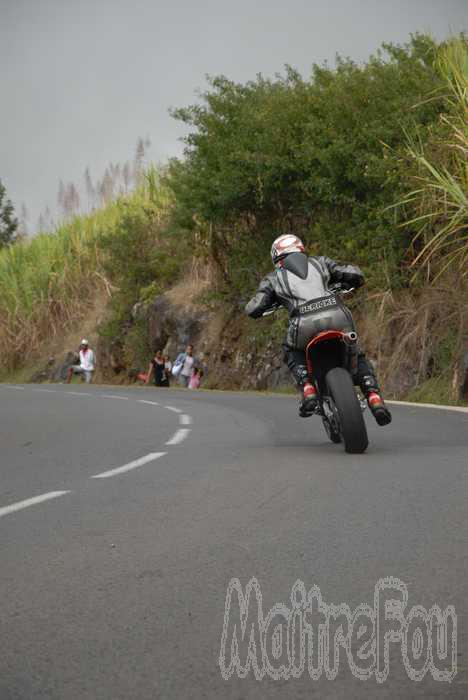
140 260
323 157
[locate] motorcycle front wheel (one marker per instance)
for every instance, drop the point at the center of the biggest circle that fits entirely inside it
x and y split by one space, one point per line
352 426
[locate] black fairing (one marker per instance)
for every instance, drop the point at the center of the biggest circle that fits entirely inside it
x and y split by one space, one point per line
297 263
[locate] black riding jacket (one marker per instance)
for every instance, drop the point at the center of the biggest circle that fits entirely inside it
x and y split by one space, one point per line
300 279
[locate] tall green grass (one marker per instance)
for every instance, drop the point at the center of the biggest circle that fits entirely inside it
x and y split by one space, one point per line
431 319
440 201
48 283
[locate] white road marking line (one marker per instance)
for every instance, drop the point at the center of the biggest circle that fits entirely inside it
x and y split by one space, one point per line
153 403
185 419
12 386
460 409
171 408
178 436
113 396
131 465
78 393
48 391
31 502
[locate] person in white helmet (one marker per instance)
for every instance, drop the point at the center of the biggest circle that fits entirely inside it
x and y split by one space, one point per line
87 363
298 279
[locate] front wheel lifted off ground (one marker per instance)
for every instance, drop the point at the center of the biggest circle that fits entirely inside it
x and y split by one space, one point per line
353 427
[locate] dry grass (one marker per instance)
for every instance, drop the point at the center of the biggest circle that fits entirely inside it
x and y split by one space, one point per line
85 327
63 341
415 335
201 277
49 284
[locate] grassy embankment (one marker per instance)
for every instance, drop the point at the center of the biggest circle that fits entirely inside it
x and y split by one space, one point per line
50 284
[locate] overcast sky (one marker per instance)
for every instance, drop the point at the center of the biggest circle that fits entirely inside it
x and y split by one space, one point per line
81 80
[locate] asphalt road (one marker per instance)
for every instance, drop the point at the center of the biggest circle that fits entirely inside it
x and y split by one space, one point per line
115 587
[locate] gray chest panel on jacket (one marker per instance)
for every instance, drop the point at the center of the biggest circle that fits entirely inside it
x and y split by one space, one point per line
302 290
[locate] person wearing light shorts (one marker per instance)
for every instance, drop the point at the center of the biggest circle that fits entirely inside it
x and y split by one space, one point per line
187 362
87 363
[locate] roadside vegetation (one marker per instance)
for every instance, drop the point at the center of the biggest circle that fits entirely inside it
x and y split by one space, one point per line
8 220
367 163
435 324
49 282
324 157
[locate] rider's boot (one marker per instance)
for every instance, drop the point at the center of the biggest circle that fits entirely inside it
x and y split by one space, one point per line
377 406
308 402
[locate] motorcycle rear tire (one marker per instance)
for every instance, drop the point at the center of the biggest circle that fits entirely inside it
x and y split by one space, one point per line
353 428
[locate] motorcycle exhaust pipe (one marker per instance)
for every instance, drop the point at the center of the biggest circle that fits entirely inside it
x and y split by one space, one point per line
350 338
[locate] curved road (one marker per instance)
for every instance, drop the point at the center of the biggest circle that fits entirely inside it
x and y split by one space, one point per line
147 503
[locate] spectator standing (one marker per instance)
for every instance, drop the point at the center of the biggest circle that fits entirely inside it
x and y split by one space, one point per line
187 363
87 363
157 368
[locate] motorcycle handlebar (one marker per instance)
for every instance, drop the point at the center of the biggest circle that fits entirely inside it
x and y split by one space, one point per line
344 291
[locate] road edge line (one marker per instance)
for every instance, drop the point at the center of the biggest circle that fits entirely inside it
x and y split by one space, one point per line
442 407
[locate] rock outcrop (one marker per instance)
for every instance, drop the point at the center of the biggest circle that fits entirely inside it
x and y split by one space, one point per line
55 370
232 357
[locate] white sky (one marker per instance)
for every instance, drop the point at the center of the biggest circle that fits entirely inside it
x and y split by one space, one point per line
81 80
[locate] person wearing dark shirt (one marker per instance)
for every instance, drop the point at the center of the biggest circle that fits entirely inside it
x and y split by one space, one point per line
157 368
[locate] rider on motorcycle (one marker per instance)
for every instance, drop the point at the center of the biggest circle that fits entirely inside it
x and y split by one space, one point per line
298 279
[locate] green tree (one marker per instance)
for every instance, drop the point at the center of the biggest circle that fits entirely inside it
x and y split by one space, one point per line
8 221
322 156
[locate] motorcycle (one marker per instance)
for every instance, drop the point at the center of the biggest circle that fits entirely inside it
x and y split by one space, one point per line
331 357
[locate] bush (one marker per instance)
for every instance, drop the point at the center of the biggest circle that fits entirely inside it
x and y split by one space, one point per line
323 157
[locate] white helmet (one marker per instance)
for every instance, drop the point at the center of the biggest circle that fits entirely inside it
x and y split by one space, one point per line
285 244
84 342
